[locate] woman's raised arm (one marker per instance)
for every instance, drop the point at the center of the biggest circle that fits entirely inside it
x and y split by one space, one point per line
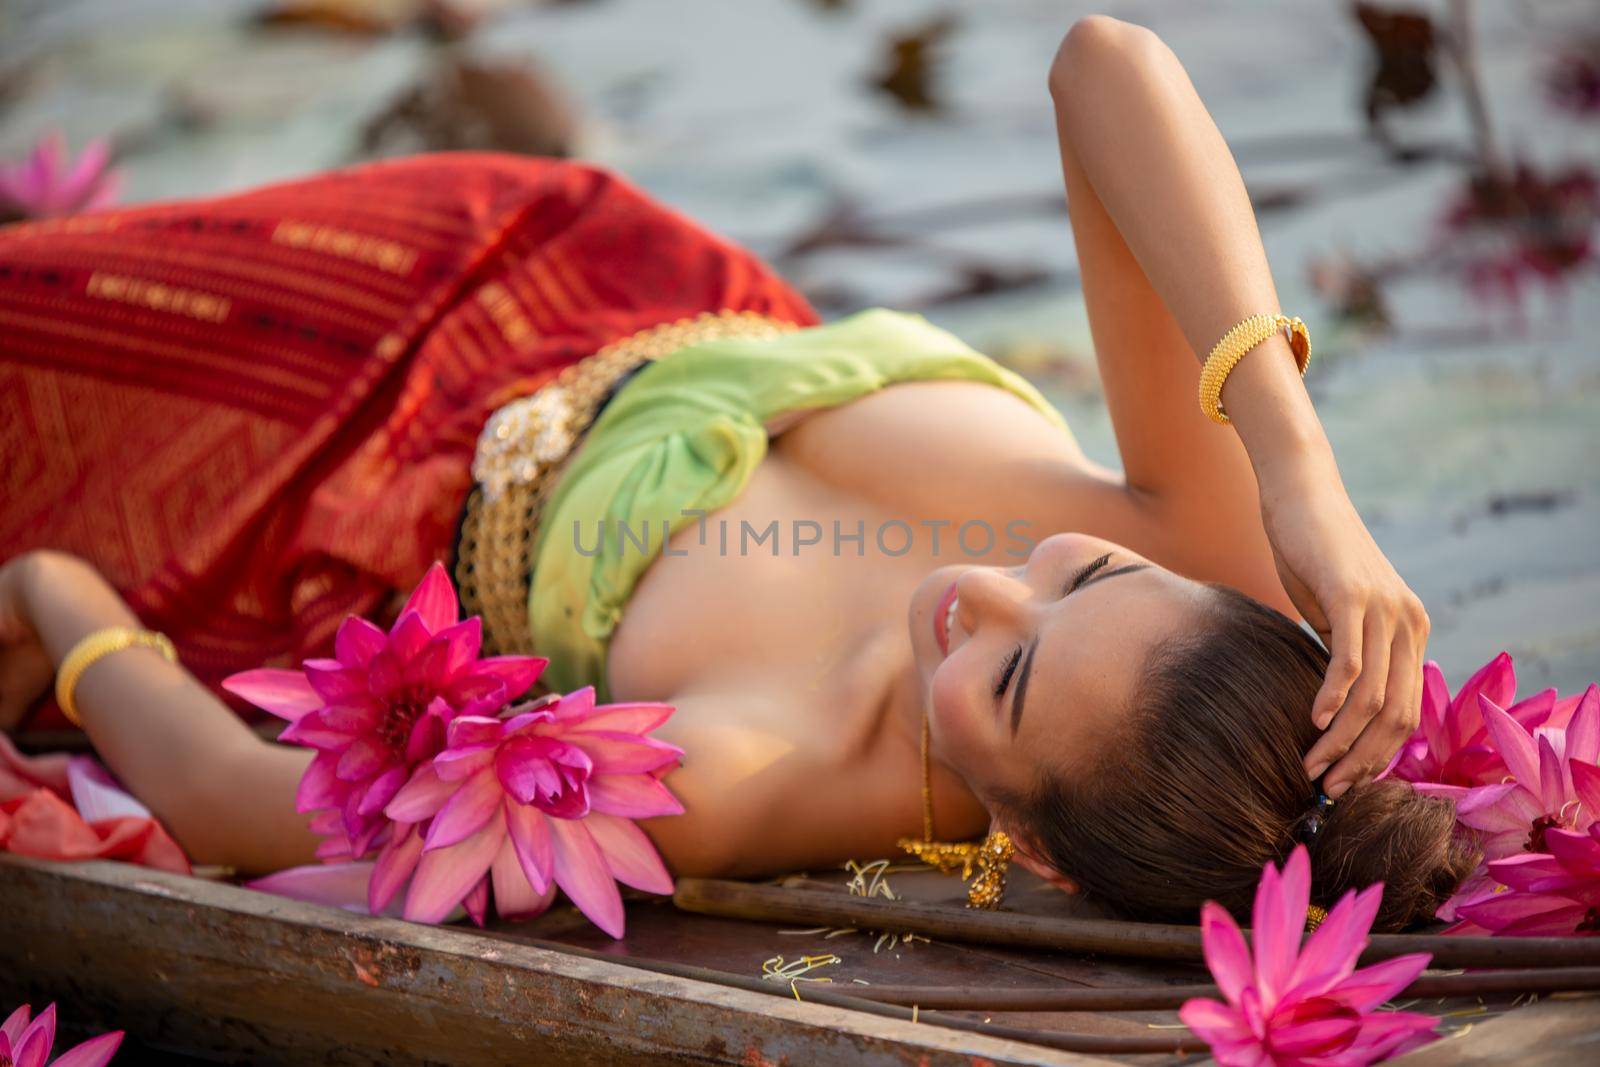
1172 259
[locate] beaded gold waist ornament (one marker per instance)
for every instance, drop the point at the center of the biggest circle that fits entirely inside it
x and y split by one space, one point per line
523 449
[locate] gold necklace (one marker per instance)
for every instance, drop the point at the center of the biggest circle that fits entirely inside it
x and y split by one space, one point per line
990 857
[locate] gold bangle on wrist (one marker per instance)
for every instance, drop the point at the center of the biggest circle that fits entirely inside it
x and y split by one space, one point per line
1233 347
95 647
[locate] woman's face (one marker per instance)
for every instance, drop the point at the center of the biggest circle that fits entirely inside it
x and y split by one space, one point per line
1032 666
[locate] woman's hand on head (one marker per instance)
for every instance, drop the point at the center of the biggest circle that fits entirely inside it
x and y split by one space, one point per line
1371 621
25 668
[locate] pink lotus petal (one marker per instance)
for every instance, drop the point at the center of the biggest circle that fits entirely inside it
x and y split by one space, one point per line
1225 950
1583 733
382 790
581 872
514 896
469 731
1586 785
334 682
434 600
285 694
530 836
627 718
406 642
1551 782
1495 681
357 642
1515 744
461 643
1213 1020
454 764
1371 986
1279 921
37 1040
96 794
365 757
476 902
629 854
395 864
474 802
1313 1027
427 733
319 786
1502 909
634 796
618 753
340 885
445 876
95 1052
15 1023
516 673
1391 1033
1330 953
421 797
1560 921
313 732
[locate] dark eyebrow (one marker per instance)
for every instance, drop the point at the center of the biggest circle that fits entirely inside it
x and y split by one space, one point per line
1126 568
1026 671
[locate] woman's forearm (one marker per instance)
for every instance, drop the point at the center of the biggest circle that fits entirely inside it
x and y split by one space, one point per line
1158 163
223 792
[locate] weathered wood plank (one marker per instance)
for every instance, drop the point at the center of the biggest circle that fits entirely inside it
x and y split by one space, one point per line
1560 1032
217 969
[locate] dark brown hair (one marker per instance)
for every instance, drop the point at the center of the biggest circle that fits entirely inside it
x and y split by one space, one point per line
1206 784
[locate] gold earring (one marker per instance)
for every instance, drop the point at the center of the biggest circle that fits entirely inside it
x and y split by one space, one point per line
989 858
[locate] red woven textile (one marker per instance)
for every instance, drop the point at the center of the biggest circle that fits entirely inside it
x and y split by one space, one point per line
256 414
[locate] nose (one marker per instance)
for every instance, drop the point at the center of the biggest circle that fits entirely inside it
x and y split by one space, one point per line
990 595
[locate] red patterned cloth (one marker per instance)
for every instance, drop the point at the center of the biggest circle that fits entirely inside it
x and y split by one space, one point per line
256 414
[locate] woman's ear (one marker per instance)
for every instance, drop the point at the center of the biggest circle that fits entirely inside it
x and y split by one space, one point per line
1025 855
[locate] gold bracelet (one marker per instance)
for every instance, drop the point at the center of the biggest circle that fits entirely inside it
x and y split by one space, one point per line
96 646
1232 348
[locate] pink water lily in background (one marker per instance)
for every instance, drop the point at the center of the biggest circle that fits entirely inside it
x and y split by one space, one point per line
43 185
1297 1005
1451 745
27 1044
543 799
380 707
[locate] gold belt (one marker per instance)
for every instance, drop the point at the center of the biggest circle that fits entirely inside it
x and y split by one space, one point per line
523 450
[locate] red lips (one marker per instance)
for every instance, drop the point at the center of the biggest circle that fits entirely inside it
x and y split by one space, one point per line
941 615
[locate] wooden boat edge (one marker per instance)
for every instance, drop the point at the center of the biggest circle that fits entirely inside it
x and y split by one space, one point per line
215 968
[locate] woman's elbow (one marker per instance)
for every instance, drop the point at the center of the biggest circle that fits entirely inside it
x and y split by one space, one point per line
1093 48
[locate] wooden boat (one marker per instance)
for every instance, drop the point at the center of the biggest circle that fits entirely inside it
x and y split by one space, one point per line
201 968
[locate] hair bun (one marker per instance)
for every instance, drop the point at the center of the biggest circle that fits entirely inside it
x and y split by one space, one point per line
1388 832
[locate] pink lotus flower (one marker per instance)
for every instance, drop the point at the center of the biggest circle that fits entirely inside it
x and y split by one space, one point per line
380 707
26 1044
543 799
42 186
1551 893
1294 1005
1538 795
1451 744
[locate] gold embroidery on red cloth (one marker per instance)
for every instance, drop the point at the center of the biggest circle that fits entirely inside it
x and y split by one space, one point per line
506 315
76 224
158 296
389 256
